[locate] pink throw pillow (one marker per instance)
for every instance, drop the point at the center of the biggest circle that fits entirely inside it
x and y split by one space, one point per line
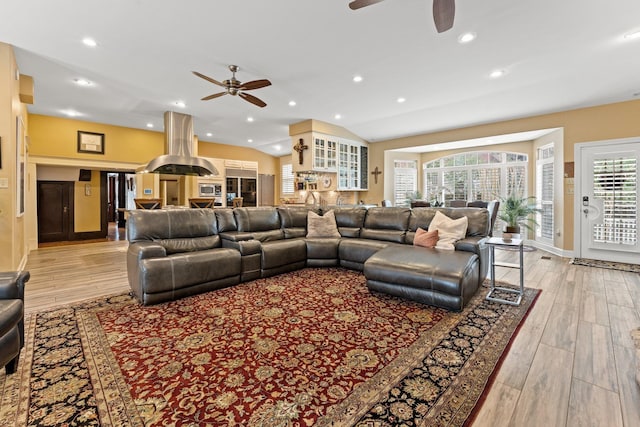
425 238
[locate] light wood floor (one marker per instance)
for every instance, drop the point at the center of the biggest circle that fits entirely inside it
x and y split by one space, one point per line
572 363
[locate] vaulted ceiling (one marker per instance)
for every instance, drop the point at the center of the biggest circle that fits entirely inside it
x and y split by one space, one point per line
554 55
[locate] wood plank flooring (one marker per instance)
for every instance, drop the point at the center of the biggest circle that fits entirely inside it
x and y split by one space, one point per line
572 363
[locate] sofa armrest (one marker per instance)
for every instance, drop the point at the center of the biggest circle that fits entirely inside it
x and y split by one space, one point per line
12 284
235 236
478 246
245 247
143 250
471 244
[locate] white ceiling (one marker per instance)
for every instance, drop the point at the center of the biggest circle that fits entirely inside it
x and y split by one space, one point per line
557 54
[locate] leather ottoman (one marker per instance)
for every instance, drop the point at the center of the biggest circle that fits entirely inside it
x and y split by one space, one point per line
441 278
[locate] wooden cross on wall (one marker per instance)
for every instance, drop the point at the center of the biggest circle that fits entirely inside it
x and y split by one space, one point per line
375 174
300 147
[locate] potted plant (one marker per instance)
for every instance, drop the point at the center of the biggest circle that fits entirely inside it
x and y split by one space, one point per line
516 212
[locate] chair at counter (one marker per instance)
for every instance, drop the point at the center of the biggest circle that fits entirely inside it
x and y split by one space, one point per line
148 203
201 203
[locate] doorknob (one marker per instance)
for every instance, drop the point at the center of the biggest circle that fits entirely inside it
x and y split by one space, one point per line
65 209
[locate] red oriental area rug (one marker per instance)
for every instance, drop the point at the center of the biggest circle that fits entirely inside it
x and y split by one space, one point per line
312 347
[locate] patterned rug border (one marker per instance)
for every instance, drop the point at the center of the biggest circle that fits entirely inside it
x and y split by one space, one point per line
496 370
123 411
610 265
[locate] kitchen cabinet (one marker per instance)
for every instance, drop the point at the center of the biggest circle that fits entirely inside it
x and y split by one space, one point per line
320 153
353 165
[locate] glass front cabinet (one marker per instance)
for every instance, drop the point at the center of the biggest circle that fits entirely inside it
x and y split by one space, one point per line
352 165
325 151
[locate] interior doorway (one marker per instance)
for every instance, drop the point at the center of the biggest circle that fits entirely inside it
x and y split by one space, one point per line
607 201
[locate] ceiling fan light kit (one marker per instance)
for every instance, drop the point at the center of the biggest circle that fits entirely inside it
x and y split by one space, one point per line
234 87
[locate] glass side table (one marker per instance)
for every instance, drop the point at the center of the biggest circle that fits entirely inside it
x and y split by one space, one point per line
494 242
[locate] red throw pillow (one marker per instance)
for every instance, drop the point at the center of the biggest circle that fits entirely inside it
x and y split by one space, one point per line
425 238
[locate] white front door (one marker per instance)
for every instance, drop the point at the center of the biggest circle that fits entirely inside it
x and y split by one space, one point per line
607 201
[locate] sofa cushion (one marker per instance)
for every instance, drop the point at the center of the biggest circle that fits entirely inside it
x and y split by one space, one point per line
294 220
158 224
322 226
174 246
424 238
257 219
350 221
226 220
388 224
449 230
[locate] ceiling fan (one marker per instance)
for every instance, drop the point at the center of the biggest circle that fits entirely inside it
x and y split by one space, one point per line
443 11
235 87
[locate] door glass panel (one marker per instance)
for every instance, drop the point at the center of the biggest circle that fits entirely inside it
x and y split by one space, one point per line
615 185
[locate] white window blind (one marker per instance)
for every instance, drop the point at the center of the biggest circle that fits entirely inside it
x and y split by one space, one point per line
405 180
287 178
544 193
615 182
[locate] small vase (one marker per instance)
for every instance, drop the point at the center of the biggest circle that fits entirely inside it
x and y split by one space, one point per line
507 237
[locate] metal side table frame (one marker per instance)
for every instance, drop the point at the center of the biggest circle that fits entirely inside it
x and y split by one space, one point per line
497 241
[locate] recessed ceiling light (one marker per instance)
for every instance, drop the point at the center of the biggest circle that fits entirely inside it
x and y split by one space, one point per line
209 134
495 74
149 125
278 147
357 78
82 82
249 119
180 104
88 41
632 36
71 113
466 38
337 116
249 140
401 100
292 103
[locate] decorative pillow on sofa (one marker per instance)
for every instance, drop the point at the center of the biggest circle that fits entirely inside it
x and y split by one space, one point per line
449 230
425 238
322 226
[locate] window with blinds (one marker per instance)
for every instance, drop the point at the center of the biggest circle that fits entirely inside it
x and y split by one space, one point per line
405 181
287 179
544 193
615 183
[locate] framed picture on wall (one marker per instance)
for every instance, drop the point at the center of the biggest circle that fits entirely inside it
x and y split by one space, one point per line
90 142
20 165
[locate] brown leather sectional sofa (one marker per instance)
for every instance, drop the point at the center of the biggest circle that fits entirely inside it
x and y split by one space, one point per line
179 252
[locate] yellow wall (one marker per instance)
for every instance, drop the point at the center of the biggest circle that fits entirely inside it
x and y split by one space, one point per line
611 121
12 227
58 137
87 203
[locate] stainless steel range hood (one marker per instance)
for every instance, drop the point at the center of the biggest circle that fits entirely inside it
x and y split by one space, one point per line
180 151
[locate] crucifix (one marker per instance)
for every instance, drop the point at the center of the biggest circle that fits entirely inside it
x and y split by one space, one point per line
300 147
375 174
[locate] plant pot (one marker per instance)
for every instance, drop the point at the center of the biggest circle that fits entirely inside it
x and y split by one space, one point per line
512 230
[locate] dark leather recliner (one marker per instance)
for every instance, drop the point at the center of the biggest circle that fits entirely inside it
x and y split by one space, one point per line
12 317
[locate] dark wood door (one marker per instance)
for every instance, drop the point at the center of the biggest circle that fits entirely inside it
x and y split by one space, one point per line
111 195
55 210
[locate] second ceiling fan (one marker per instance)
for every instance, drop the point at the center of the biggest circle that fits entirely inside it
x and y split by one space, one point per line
443 11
